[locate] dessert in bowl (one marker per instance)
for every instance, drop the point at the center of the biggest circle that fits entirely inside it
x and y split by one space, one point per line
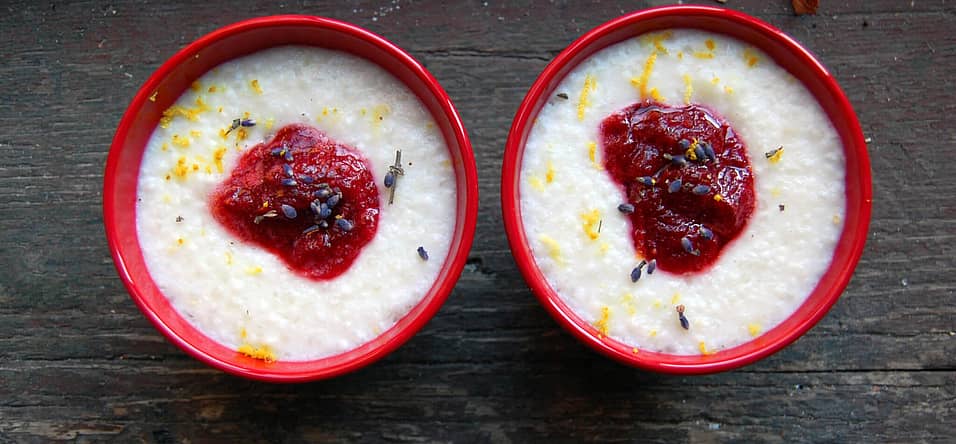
686 189
305 198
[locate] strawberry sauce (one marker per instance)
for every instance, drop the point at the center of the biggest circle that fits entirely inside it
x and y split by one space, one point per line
686 174
309 200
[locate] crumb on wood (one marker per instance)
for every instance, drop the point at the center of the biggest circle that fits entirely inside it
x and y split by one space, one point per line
801 7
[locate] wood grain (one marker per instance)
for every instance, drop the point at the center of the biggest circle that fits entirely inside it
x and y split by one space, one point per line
79 363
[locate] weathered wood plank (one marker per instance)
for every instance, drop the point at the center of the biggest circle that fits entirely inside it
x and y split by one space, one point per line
601 401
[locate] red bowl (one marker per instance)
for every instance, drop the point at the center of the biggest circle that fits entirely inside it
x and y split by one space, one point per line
787 53
171 80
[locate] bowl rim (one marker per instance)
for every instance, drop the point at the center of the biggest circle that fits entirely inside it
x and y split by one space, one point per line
852 238
433 299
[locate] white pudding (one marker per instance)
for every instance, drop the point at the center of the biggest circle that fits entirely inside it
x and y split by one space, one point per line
245 297
760 278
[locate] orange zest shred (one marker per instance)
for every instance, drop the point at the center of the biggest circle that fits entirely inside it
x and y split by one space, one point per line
592 155
691 153
602 324
217 157
688 89
750 57
181 170
554 249
584 100
181 141
191 114
777 155
262 352
641 82
591 220
657 39
709 53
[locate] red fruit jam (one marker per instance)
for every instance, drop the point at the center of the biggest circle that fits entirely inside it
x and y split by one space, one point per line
688 177
304 197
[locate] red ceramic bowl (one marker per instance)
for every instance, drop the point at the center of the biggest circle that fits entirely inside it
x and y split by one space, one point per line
788 54
171 80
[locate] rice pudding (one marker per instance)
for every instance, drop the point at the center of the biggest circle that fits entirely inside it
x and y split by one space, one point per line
322 262
681 192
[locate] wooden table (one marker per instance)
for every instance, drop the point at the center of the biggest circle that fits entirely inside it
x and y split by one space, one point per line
78 362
